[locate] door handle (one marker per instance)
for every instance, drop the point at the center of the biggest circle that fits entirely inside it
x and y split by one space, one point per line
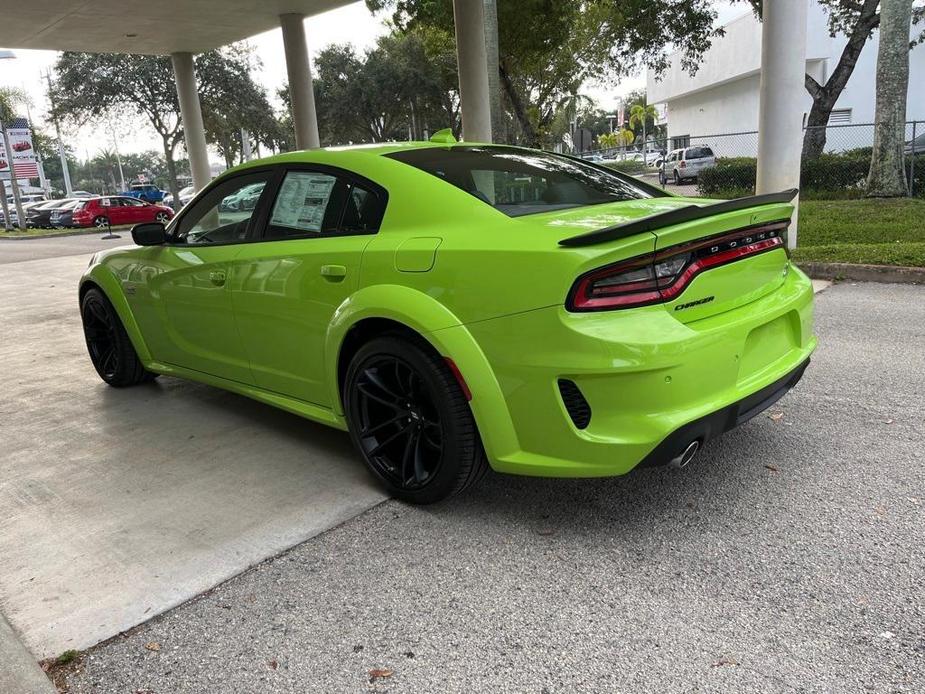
333 272
217 277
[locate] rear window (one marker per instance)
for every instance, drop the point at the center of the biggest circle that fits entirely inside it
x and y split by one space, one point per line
699 152
519 181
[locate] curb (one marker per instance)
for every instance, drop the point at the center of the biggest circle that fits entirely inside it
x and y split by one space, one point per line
89 232
19 672
864 273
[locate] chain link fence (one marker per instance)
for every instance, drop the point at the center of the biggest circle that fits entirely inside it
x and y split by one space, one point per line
839 171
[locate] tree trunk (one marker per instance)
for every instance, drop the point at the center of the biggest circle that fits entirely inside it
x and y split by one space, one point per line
825 96
490 14
887 173
520 111
171 171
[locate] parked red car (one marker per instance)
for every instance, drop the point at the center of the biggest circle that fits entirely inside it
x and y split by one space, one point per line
114 210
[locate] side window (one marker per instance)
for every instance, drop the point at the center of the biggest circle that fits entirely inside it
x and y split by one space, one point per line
225 214
313 203
363 211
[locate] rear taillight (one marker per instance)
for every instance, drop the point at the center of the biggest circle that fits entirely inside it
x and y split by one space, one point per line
682 164
661 276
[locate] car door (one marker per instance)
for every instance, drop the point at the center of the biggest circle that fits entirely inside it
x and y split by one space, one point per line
111 208
134 211
289 283
181 291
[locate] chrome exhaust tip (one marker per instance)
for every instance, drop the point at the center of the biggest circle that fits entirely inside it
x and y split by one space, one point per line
685 456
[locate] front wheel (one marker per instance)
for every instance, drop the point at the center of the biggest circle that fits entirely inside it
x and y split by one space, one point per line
677 178
410 420
162 217
111 351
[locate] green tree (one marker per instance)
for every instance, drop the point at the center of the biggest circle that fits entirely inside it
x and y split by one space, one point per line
641 114
89 85
548 48
419 68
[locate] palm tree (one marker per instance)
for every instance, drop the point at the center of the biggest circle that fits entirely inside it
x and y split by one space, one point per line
640 114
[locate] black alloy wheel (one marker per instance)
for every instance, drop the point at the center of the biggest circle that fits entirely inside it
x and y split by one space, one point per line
109 346
410 420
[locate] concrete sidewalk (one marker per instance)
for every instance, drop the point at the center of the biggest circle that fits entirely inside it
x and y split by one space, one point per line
116 505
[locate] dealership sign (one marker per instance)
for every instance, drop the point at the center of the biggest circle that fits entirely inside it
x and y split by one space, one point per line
22 156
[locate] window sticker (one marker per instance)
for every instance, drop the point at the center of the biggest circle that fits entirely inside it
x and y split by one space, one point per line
302 200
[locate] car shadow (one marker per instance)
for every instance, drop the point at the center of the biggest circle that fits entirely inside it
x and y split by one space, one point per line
643 501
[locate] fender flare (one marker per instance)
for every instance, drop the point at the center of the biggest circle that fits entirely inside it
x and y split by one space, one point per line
103 278
443 330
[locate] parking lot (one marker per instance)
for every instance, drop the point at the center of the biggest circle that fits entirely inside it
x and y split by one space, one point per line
789 557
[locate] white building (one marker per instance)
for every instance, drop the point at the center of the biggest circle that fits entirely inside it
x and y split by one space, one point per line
722 97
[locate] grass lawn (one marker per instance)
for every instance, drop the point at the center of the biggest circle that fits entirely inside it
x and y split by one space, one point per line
878 232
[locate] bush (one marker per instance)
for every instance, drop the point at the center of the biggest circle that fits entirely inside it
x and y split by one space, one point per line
830 177
630 166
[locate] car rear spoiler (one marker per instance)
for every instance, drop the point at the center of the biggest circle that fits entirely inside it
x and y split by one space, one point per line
676 216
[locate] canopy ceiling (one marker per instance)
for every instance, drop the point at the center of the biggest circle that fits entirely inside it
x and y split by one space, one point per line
143 26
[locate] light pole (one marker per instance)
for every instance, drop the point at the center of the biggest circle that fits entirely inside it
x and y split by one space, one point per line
61 153
115 144
14 184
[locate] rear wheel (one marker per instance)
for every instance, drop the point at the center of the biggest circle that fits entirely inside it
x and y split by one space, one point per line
101 222
411 422
110 348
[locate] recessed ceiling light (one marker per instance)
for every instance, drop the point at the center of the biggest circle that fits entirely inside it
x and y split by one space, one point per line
131 36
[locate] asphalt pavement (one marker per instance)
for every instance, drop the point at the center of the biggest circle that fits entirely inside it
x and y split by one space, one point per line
788 558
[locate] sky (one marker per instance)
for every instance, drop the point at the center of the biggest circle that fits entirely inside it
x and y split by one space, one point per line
351 24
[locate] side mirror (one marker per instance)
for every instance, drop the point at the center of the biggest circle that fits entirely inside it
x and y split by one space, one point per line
149 234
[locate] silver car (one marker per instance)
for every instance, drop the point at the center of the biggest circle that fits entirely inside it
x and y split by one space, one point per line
685 164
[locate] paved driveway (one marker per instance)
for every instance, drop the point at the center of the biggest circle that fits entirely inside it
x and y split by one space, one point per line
788 558
118 504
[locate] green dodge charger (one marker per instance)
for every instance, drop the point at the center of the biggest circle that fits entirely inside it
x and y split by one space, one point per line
456 306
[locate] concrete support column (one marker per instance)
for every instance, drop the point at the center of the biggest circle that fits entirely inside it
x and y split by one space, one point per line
781 90
472 61
191 113
304 117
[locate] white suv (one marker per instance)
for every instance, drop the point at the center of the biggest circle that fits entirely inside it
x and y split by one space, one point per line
685 164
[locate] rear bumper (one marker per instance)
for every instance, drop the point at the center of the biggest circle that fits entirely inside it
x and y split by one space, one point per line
721 421
649 379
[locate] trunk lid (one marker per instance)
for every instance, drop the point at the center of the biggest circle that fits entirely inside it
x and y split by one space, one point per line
718 279
736 282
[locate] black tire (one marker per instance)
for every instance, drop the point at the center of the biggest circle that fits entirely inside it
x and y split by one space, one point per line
162 217
410 420
101 222
662 179
677 178
109 346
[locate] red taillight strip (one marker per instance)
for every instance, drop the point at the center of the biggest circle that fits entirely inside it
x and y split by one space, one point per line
733 254
653 291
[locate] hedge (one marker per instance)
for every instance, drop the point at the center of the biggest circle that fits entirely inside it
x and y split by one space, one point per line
629 166
831 176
